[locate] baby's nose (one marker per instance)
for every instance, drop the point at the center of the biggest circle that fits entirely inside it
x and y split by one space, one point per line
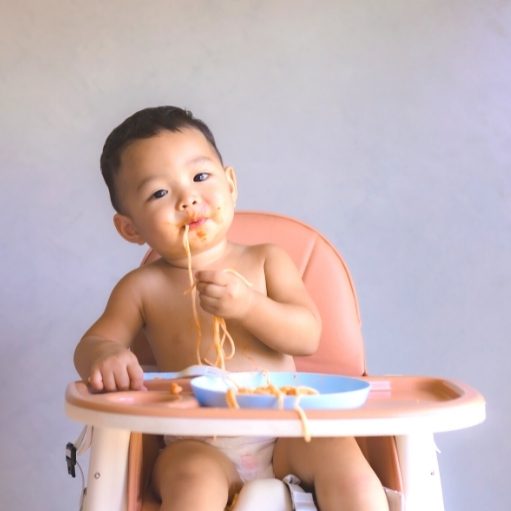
187 203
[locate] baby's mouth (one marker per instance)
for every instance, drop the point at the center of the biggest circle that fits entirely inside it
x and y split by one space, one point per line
195 223
197 226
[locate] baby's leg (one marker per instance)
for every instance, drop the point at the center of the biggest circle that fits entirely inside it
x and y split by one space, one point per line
190 475
335 468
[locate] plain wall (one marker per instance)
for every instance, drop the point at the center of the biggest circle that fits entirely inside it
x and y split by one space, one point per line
384 124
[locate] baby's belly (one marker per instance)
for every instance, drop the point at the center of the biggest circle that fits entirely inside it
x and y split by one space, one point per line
277 363
247 355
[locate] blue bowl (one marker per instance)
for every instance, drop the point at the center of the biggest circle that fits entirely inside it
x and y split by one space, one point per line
335 392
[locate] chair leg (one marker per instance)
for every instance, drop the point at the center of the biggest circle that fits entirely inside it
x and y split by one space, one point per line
106 480
422 487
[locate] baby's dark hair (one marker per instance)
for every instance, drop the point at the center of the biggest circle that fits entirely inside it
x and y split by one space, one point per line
144 124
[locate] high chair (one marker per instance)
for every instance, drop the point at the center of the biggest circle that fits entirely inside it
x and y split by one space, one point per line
394 428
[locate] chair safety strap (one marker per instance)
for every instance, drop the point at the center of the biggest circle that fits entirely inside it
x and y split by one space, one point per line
301 500
79 446
84 440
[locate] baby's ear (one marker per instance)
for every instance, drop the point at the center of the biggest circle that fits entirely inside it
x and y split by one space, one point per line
230 174
127 230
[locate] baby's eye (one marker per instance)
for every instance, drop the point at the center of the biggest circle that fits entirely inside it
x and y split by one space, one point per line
159 194
201 176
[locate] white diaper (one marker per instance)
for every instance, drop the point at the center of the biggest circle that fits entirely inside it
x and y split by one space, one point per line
252 456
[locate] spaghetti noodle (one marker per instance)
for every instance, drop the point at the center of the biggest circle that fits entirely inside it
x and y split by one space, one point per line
280 393
303 417
220 333
193 294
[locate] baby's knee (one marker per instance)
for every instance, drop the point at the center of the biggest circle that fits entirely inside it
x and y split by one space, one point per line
357 486
192 464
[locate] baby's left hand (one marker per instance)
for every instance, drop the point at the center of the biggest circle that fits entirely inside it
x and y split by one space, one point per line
223 293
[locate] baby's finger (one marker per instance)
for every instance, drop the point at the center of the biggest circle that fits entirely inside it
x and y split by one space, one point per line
209 304
211 290
212 277
96 380
136 376
109 384
122 379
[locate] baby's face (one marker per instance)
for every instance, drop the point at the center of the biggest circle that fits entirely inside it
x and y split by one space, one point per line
175 179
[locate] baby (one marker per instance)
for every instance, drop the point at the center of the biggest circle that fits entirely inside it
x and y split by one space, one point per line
171 190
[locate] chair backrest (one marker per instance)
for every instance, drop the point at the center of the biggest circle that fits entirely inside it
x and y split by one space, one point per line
327 279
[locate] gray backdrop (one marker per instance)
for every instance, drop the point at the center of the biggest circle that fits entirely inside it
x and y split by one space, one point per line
384 124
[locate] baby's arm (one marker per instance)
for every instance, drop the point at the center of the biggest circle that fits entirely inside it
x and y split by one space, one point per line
285 319
103 356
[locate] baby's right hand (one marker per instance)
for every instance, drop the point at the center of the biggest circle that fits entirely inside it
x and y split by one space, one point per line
118 369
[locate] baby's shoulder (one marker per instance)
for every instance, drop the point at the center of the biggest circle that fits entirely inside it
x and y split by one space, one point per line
261 251
275 260
141 277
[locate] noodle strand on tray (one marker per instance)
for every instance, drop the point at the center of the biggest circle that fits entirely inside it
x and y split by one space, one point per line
280 393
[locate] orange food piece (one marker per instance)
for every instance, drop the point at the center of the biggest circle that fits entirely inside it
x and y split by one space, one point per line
175 388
